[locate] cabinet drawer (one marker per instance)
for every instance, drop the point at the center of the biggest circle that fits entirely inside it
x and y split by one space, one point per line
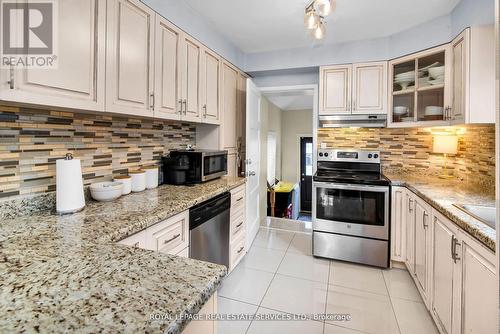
237 251
170 236
237 224
238 197
137 240
184 252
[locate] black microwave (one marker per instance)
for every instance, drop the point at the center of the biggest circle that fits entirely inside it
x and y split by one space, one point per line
194 166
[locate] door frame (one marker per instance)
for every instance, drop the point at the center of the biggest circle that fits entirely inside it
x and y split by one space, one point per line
299 136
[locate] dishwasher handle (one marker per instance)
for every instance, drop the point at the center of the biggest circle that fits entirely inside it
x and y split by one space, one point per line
208 210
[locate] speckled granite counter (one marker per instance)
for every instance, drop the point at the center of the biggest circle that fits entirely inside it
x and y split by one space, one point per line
60 274
441 194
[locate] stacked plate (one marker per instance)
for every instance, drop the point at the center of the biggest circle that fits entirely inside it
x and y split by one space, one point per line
434 74
404 79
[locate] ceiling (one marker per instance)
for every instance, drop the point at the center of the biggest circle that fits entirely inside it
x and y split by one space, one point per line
291 100
267 25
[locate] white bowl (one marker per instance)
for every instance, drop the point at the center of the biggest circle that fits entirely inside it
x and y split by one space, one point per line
433 110
436 71
106 191
405 74
400 110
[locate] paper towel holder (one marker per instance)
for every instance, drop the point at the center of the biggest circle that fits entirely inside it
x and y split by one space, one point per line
70 197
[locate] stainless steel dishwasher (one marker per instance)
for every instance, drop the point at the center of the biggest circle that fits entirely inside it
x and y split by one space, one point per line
209 230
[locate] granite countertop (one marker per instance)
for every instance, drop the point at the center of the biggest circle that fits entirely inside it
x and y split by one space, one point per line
441 194
67 273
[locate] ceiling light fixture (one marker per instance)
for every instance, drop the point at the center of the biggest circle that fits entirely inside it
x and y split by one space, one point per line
315 13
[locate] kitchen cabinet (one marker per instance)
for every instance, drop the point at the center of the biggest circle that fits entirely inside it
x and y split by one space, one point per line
398 224
130 58
230 78
237 227
420 89
335 90
369 88
409 220
210 86
463 281
473 81
205 326
168 40
353 89
79 79
422 247
241 124
137 240
190 72
443 271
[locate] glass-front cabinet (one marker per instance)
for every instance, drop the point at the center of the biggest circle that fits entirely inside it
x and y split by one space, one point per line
420 89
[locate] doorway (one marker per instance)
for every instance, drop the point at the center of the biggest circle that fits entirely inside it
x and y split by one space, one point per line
306 173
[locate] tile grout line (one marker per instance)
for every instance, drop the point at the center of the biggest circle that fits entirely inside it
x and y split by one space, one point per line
327 289
392 304
270 282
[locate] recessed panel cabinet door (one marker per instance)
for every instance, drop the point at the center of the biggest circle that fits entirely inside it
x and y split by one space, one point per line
460 63
191 79
410 231
230 77
335 90
130 62
78 80
398 225
167 76
369 84
210 87
422 239
443 272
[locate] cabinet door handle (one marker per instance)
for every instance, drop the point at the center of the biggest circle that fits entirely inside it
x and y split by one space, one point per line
205 110
185 106
241 249
171 239
410 205
180 104
424 220
152 96
454 243
237 226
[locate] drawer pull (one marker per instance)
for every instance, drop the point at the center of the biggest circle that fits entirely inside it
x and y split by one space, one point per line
136 245
239 199
171 239
241 249
239 224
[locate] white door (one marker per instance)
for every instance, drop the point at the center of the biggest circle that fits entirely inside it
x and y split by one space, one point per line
335 90
129 58
369 84
78 81
253 161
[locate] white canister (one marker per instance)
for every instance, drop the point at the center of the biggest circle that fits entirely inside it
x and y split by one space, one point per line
126 180
138 180
151 176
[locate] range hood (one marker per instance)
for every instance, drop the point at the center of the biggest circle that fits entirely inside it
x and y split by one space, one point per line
353 121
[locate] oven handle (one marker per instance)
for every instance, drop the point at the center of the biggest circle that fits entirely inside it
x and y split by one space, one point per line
381 189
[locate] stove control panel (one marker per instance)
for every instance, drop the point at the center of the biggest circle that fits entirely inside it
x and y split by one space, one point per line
349 156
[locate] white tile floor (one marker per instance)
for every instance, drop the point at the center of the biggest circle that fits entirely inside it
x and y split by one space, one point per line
279 276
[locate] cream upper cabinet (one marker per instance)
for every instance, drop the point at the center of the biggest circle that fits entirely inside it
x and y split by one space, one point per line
476 296
473 57
210 88
191 71
409 220
398 225
335 90
422 247
369 88
78 81
167 64
130 65
230 78
443 271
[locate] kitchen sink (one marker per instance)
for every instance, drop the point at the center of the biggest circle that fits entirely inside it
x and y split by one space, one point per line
486 214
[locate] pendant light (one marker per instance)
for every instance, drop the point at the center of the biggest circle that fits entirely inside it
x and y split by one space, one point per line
315 13
324 7
319 31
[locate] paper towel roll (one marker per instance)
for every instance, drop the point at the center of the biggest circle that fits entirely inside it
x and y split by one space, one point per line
69 186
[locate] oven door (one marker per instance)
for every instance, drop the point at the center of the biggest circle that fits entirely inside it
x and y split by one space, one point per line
358 210
214 165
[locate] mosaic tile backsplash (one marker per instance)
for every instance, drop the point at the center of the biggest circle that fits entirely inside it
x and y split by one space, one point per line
31 140
411 149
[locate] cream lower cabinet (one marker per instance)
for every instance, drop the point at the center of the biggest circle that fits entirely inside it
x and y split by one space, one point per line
79 79
398 225
204 326
463 281
409 220
237 227
422 248
170 236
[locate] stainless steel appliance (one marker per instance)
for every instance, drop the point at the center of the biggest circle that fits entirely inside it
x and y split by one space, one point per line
360 121
194 166
209 230
351 207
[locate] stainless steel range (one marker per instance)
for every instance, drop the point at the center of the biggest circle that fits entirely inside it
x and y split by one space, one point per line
351 210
